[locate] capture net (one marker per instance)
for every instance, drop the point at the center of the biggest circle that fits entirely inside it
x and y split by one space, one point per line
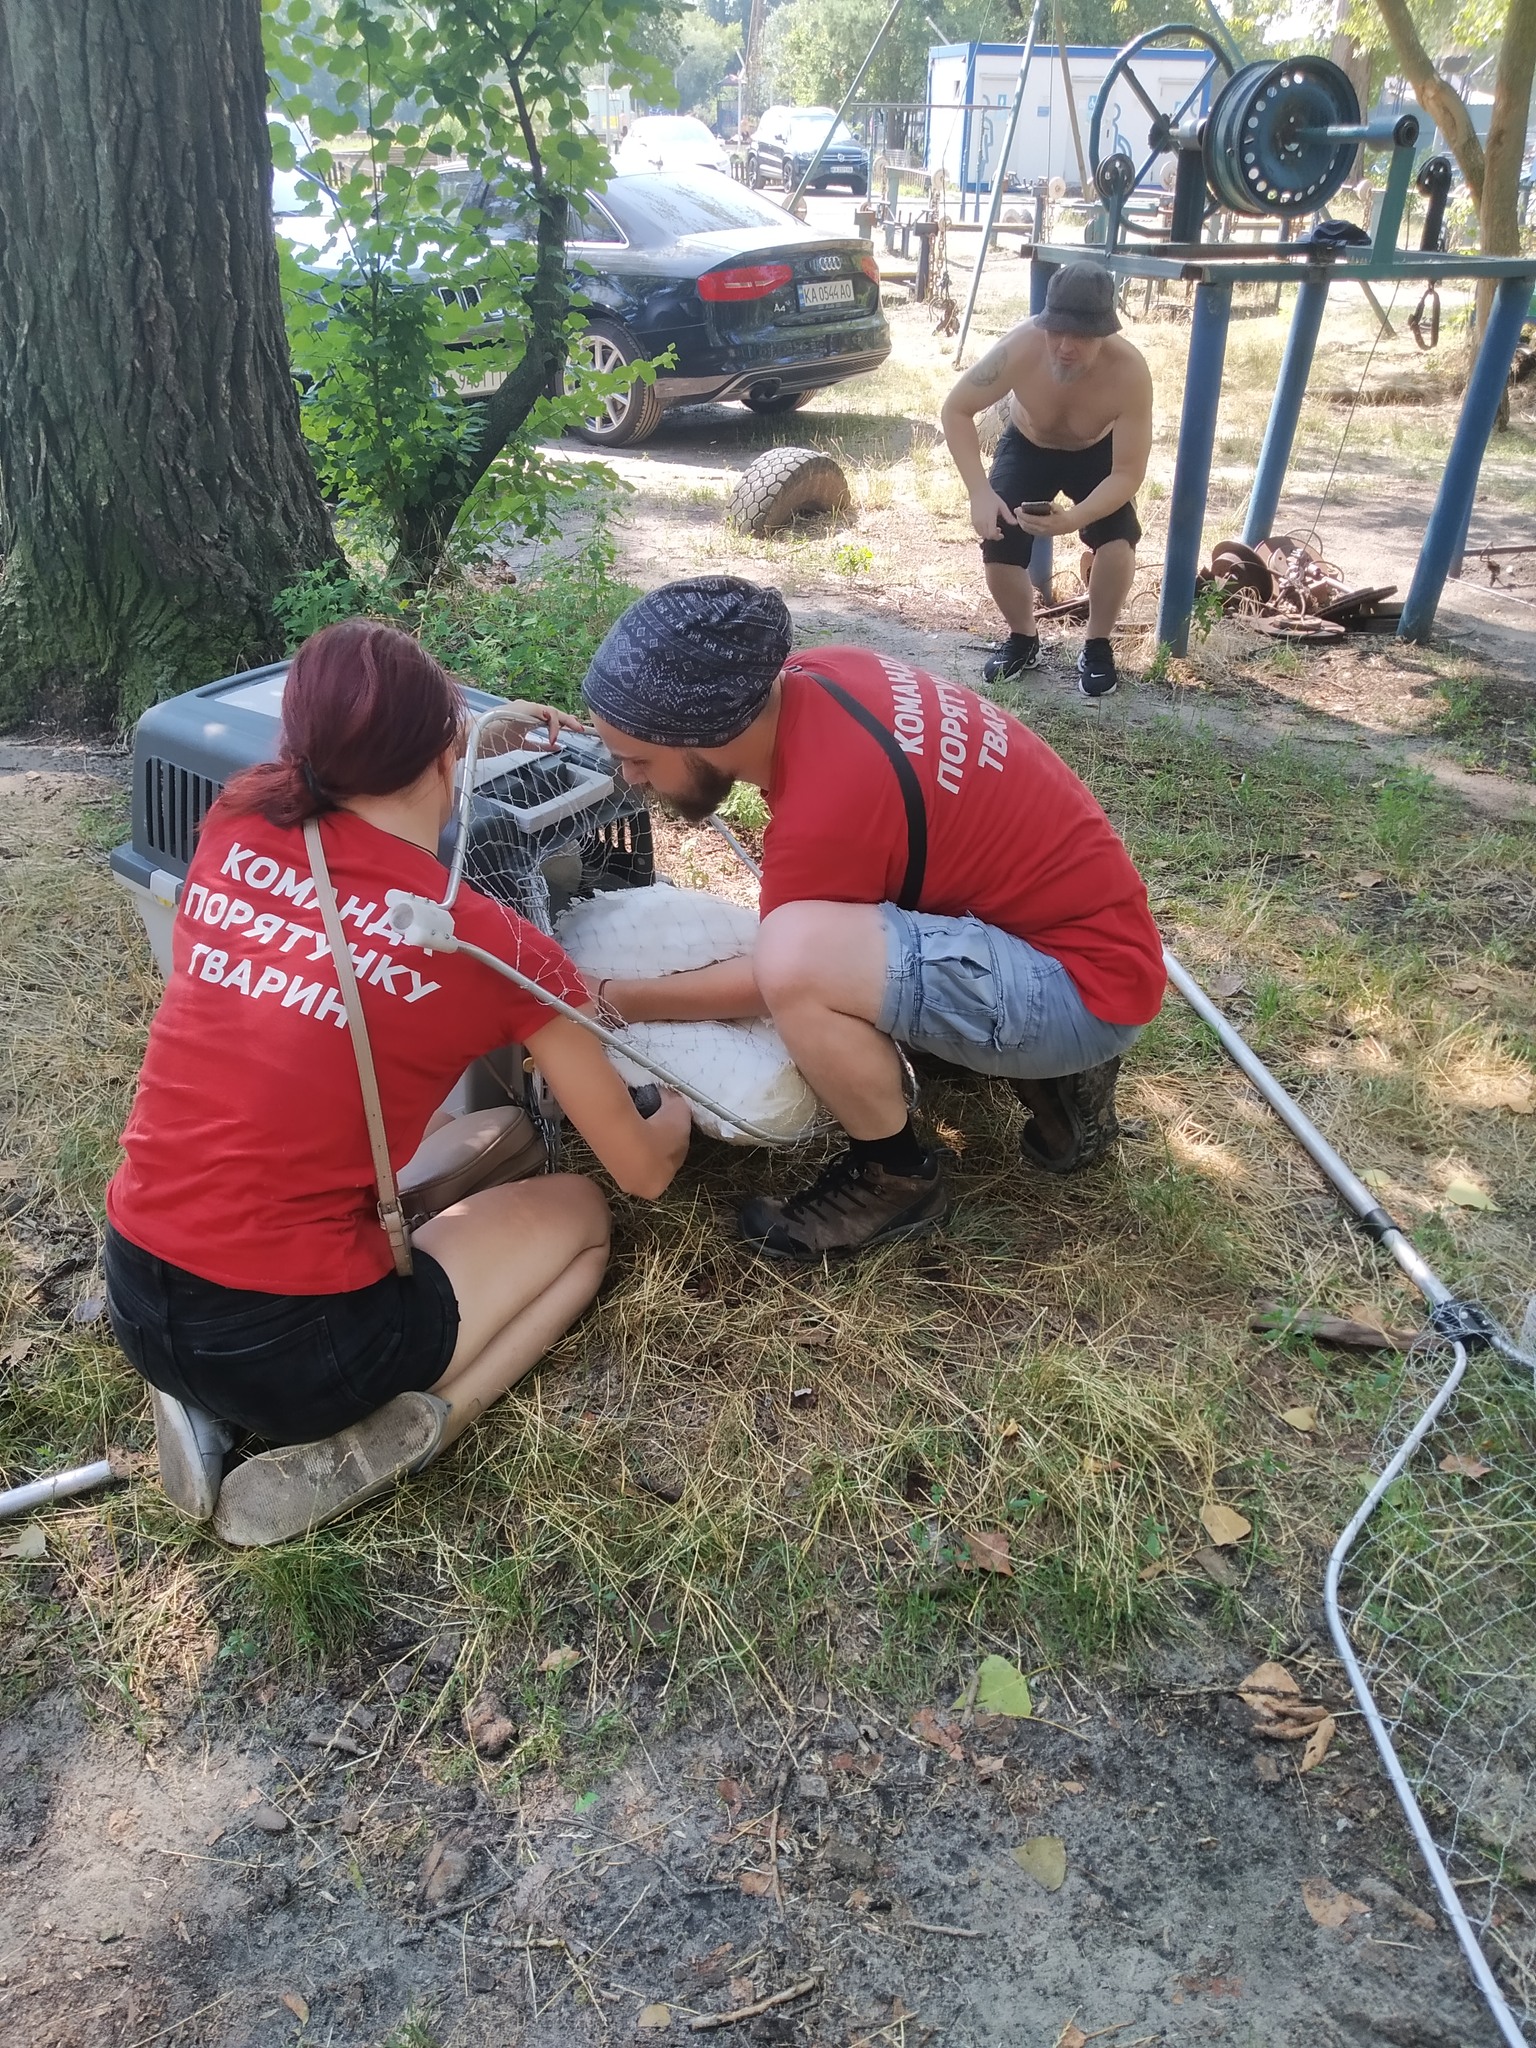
1439 1598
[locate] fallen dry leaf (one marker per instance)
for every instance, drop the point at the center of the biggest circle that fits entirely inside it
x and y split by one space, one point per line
987 1551
812 1335
756 1883
1225 986
1467 984
1304 1419
1464 1465
990 1767
29 1546
1318 1743
1367 879
928 1726
654 2019
1375 1178
730 1795
560 1659
1071 2036
1265 1683
1329 1906
1010 1430
860 1901
1467 1195
1224 1525
298 2006
1097 1466
1044 1857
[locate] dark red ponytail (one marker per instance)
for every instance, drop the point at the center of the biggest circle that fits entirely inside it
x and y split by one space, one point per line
365 712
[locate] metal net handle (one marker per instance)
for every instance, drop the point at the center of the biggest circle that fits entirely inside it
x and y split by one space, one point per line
466 798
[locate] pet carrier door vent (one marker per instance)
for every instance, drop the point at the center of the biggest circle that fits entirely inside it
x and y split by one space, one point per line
175 804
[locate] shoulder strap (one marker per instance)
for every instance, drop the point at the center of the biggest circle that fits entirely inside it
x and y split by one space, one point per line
390 1214
906 780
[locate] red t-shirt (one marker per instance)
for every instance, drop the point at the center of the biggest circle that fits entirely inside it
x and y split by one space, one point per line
1013 837
247 1157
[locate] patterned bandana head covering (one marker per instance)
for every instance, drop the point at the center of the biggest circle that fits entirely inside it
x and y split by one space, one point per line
690 664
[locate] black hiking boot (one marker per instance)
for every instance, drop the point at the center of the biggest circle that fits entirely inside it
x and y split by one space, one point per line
1073 1121
846 1209
1012 657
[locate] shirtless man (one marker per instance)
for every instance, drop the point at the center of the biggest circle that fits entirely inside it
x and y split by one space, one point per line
1081 425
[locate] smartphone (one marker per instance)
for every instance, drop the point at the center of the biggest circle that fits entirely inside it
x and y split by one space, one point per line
1037 508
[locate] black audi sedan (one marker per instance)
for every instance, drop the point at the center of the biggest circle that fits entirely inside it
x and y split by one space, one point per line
753 304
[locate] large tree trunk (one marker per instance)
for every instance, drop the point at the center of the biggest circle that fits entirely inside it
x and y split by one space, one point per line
1498 212
154 490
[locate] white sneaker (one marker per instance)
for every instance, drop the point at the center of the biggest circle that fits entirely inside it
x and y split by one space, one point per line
295 1488
191 1444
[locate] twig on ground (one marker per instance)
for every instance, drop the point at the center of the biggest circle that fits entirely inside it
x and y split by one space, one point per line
933 1927
456 1906
750 2012
773 1841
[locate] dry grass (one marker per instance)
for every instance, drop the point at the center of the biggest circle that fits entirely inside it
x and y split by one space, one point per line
735 1474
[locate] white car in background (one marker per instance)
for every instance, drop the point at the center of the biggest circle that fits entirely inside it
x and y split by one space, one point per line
670 142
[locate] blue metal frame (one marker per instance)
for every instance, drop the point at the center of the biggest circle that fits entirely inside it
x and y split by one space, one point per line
1445 536
1280 432
1192 465
1042 555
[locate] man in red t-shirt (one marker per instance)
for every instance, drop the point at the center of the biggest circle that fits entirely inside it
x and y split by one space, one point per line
933 876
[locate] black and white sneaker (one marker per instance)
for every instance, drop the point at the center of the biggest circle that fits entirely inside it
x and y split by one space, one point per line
191 1444
1097 675
1012 657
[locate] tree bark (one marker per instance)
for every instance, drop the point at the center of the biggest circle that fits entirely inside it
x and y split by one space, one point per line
1498 212
155 493
1443 104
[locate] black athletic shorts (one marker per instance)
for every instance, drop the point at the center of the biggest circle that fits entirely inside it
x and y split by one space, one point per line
1024 474
286 1367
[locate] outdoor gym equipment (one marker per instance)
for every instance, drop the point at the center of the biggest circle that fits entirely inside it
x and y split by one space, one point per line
1276 141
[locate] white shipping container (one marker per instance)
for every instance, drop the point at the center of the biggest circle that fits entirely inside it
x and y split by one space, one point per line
970 93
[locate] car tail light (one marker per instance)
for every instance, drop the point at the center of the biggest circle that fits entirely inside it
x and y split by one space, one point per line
870 268
745 281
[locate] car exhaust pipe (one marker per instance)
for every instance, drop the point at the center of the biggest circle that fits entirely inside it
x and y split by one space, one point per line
770 389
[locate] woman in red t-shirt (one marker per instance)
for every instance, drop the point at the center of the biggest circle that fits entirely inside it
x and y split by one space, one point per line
249 1278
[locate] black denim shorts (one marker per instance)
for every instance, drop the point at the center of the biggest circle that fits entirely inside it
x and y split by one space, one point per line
1023 474
286 1367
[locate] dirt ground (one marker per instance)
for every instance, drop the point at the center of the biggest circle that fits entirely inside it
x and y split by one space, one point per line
276 1870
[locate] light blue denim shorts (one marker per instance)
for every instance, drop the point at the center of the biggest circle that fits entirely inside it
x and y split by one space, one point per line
978 997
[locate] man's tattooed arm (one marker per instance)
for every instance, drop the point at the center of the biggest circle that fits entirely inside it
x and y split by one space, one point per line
991 373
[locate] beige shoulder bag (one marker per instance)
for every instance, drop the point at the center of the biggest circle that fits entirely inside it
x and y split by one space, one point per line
481 1150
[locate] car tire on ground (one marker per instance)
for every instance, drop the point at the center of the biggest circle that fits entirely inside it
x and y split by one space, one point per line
754 174
623 422
784 484
782 401
860 188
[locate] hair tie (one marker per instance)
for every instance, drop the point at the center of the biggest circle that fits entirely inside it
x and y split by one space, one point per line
312 783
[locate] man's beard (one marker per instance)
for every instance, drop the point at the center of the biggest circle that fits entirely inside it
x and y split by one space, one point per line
1066 373
711 787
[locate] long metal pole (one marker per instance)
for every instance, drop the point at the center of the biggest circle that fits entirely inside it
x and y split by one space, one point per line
42 1493
1446 532
999 178
1434 1290
821 150
1192 465
1285 411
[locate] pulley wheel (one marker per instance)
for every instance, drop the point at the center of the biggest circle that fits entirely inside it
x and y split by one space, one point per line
1265 152
1128 117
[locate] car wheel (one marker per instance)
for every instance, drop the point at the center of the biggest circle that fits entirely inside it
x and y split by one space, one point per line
754 174
783 484
630 417
860 188
782 401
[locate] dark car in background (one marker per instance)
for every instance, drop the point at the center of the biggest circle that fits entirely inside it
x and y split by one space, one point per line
785 144
753 304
